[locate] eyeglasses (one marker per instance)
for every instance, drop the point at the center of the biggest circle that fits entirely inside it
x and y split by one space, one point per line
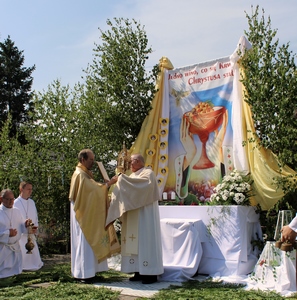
9 199
133 159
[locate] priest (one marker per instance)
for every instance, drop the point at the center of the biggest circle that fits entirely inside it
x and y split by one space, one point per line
91 242
135 201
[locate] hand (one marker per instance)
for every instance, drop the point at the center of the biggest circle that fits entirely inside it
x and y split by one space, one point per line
34 229
187 141
220 135
113 180
28 223
12 232
288 234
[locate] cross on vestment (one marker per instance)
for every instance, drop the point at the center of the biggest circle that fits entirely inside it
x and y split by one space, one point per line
132 237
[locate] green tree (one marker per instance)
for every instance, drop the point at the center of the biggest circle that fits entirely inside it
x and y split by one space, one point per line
53 140
119 89
271 91
47 159
270 82
100 114
15 87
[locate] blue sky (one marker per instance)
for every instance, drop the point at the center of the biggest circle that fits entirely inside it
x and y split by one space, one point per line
59 36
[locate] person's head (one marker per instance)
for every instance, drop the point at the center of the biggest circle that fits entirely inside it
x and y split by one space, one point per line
86 157
137 162
26 188
7 198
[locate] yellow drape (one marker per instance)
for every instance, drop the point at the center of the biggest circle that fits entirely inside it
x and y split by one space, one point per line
151 122
263 165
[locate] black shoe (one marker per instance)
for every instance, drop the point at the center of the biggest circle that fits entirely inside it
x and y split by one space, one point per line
136 277
86 280
148 279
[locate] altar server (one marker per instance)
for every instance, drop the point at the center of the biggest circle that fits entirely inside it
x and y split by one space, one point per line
31 262
12 225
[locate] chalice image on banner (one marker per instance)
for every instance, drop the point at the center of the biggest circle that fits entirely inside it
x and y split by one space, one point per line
204 118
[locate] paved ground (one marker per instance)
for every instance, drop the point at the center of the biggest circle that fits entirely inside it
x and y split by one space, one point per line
132 290
129 290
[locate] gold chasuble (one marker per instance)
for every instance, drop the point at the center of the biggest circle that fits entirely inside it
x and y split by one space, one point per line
90 206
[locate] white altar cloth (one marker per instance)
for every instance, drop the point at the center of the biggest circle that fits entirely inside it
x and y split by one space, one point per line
226 236
275 270
182 250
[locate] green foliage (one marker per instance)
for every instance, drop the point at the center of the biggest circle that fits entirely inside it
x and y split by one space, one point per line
62 286
271 89
269 218
270 83
191 200
119 90
15 87
100 114
47 160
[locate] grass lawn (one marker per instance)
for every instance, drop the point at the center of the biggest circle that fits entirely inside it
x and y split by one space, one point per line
55 282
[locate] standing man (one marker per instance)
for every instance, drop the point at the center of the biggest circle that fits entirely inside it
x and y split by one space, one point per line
91 243
31 262
12 225
135 201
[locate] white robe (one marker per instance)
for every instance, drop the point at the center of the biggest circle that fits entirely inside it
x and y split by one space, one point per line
10 251
135 200
293 224
83 261
31 262
148 261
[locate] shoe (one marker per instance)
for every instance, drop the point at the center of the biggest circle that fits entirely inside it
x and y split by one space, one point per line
136 277
86 280
148 279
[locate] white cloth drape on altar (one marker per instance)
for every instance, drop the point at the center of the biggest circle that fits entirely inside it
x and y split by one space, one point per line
275 270
226 236
182 250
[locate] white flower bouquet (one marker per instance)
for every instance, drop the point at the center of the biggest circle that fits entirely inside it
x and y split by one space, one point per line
235 189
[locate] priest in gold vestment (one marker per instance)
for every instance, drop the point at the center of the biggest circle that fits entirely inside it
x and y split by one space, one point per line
91 242
135 202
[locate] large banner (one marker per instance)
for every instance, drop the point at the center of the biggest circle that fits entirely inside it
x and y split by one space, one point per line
200 136
195 131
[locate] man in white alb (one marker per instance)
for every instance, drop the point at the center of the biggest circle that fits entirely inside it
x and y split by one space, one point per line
135 202
12 225
31 262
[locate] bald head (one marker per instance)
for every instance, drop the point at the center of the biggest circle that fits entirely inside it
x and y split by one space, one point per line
86 157
137 162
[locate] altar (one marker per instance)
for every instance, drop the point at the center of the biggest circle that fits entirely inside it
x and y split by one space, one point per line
225 234
182 249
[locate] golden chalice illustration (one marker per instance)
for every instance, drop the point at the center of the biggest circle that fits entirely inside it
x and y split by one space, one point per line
204 119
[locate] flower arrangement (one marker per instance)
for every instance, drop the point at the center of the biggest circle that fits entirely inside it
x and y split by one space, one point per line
235 189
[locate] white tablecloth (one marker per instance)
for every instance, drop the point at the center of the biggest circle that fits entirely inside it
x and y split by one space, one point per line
275 270
226 236
182 250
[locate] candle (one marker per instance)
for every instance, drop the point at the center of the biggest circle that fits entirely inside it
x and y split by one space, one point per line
172 195
164 196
